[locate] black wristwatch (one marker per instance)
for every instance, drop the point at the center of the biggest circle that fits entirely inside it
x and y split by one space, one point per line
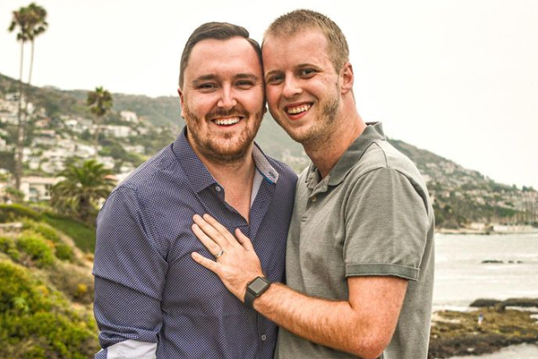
255 289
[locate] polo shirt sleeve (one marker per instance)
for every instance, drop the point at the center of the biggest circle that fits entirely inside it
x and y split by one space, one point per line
129 273
386 226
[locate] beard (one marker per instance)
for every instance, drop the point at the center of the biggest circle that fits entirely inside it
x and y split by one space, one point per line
320 130
224 147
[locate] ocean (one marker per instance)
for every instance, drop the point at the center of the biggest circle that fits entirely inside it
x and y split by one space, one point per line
462 276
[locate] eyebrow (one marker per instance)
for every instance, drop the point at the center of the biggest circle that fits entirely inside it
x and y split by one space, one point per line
215 77
269 73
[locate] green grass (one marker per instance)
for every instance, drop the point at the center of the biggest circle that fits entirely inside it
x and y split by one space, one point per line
82 234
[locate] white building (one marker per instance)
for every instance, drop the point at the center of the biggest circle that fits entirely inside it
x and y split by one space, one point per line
129 116
117 131
56 154
136 149
107 161
37 188
84 151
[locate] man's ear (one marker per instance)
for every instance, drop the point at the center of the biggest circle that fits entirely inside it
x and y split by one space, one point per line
347 77
181 100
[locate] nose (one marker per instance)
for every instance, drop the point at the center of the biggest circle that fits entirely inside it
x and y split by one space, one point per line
227 100
291 87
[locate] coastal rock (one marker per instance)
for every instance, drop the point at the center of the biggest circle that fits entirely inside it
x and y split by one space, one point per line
482 303
456 332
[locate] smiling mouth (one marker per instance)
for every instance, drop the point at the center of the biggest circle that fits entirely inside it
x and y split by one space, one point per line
296 110
227 121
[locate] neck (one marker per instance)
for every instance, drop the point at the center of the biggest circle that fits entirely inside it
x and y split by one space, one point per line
239 171
348 126
235 177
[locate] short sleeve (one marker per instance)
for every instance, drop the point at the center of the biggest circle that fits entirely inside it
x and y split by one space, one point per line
386 226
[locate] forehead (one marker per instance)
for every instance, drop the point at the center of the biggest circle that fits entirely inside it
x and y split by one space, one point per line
223 58
306 46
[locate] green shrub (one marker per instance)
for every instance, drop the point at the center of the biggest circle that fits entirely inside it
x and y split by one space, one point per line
64 252
15 285
73 281
12 212
37 323
36 247
44 229
8 246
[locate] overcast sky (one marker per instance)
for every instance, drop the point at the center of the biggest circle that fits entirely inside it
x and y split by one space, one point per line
458 77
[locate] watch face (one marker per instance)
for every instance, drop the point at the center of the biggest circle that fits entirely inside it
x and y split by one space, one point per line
257 285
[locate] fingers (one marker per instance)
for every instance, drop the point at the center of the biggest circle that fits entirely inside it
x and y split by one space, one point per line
210 232
203 261
223 231
243 240
211 246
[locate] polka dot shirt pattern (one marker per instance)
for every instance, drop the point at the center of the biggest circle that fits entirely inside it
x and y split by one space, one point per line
148 288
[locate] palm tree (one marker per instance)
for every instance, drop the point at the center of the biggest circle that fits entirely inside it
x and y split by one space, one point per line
82 187
31 23
100 102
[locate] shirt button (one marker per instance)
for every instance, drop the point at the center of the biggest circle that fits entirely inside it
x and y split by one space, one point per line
314 199
217 188
264 337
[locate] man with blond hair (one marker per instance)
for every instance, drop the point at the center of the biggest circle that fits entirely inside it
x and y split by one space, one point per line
360 258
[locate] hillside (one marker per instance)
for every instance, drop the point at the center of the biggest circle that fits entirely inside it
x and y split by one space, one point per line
461 196
46 287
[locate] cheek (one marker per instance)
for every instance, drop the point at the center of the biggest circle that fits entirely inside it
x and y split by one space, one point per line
272 95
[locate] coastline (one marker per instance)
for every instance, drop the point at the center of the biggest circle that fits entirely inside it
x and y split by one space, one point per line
501 325
520 351
484 232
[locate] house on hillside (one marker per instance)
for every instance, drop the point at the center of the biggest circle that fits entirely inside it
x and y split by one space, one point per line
129 116
37 188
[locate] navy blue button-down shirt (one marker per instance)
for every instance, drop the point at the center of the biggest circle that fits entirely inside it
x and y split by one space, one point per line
148 288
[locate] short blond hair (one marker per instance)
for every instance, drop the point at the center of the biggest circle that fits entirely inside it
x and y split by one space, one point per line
291 23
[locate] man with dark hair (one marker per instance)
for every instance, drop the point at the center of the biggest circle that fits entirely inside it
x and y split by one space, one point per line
151 299
359 261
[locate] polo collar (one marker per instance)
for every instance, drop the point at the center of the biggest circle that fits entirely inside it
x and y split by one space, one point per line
198 174
372 133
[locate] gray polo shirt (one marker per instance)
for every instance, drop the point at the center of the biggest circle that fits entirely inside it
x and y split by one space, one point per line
371 216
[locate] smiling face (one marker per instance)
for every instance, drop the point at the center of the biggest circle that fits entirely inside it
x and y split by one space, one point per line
302 85
222 99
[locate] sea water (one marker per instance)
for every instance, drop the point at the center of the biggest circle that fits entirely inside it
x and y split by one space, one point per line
462 276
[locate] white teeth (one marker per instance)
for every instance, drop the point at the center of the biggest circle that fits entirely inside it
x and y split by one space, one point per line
227 121
298 109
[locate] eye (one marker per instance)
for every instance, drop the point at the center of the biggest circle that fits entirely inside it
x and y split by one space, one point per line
207 86
274 79
307 72
244 84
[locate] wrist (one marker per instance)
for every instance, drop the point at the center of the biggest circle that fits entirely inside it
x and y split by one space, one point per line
255 289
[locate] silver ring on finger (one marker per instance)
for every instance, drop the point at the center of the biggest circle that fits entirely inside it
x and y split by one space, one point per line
221 252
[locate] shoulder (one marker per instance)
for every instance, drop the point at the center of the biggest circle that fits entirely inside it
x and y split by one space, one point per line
149 173
382 155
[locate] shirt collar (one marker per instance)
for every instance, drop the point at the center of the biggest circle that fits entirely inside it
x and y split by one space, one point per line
198 174
372 133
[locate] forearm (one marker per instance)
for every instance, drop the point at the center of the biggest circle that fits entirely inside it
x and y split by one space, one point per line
335 324
116 318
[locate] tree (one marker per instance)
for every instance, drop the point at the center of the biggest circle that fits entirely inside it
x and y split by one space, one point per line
100 102
82 188
31 23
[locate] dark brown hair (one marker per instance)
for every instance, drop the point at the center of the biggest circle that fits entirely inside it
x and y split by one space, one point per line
217 31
